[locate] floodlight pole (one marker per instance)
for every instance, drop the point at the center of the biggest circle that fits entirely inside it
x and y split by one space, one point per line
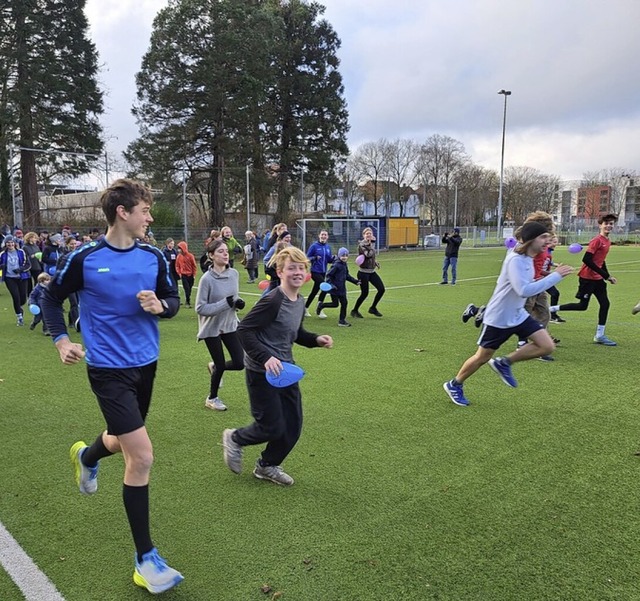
248 202
185 212
504 125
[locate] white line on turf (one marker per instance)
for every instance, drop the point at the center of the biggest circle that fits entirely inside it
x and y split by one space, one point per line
33 583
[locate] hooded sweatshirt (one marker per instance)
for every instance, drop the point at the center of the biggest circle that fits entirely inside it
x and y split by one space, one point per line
215 316
185 261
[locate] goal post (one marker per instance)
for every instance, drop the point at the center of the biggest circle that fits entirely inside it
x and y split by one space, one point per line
342 232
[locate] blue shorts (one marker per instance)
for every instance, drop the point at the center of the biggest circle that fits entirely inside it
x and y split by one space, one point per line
493 338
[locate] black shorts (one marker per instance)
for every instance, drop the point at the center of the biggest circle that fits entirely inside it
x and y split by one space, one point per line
588 287
124 395
493 338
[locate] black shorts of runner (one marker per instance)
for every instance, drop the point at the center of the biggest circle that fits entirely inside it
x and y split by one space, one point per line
124 395
494 338
588 287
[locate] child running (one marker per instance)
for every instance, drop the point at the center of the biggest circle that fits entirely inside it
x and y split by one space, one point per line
267 334
337 277
593 277
505 314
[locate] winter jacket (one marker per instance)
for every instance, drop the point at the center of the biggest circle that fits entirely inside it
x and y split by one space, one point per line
338 276
23 264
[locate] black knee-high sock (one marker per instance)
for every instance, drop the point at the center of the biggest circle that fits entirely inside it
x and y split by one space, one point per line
95 452
136 504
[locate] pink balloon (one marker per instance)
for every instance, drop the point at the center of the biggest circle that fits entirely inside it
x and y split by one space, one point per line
510 242
307 277
575 248
359 260
263 284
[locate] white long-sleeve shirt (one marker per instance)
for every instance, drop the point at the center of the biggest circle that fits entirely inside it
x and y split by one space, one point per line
515 284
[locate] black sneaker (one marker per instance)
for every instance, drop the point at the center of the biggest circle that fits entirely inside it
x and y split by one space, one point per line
344 324
375 312
356 314
557 319
546 358
443 283
469 312
32 326
480 316
319 309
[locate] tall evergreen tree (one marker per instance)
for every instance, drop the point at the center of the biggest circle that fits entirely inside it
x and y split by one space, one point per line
309 116
51 100
201 90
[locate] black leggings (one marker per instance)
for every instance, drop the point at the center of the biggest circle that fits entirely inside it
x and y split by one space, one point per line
376 282
18 290
232 342
554 295
335 300
317 278
600 292
187 284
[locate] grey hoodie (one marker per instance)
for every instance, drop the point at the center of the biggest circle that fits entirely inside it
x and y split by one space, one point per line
215 316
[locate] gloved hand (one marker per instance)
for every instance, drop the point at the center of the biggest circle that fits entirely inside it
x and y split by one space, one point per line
239 304
230 301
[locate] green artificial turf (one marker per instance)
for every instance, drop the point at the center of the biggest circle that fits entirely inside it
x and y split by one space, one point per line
528 494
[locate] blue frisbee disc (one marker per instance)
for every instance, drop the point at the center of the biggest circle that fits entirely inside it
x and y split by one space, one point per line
289 375
325 286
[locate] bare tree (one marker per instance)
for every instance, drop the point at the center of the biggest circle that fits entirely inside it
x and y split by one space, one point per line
371 162
440 157
402 157
527 189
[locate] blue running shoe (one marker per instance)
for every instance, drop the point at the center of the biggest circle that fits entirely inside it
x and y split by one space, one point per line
456 394
154 574
86 477
604 340
503 369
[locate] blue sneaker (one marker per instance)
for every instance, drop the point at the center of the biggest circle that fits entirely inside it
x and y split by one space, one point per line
154 574
604 340
456 394
86 477
503 369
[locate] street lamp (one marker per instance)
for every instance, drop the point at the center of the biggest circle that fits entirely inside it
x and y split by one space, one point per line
504 125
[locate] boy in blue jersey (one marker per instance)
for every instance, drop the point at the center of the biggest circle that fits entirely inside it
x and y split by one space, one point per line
124 286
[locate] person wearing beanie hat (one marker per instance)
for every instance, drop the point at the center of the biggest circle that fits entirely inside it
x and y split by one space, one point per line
453 243
536 224
505 314
338 275
321 257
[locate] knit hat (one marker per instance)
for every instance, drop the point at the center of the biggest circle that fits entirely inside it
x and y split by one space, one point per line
343 252
56 238
456 230
283 234
531 230
8 238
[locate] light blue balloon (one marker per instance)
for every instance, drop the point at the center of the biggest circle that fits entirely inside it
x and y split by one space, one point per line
34 309
325 286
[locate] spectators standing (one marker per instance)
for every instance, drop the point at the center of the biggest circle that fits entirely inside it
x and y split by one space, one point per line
453 243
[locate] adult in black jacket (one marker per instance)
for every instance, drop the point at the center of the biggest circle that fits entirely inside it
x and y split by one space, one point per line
453 243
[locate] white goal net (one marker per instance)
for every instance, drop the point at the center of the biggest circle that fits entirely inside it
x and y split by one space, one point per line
342 232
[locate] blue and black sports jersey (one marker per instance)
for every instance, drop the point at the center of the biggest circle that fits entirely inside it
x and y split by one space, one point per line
117 333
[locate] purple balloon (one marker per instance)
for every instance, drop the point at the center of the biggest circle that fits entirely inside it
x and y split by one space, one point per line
359 259
575 248
510 242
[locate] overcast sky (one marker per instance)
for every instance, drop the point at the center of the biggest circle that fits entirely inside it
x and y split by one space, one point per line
413 68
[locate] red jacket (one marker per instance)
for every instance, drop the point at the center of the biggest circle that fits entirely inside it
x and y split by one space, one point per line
185 261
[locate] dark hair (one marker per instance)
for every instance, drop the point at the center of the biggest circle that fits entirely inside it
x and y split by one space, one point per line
126 193
214 245
608 217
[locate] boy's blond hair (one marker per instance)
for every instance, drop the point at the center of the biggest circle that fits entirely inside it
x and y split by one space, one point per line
293 253
43 277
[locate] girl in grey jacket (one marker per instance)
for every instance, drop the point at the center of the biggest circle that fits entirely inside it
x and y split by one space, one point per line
216 304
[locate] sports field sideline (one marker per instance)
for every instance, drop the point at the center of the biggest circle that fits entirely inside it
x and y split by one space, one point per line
529 493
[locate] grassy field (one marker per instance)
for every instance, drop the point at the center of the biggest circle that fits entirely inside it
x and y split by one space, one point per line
528 494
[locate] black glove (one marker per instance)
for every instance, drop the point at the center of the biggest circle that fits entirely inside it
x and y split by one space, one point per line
239 304
230 301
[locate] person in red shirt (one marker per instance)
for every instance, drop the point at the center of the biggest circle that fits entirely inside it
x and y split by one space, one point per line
593 277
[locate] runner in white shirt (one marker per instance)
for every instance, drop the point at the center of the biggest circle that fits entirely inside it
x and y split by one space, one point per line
506 316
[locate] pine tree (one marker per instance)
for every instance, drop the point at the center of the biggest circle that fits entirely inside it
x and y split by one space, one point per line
52 97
